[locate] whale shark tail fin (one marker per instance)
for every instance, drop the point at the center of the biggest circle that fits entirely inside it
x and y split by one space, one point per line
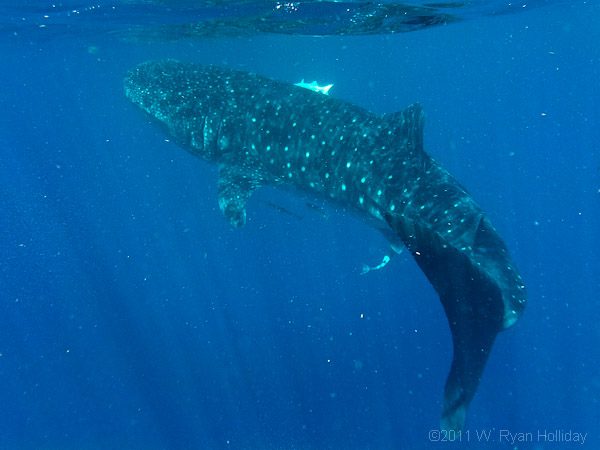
473 305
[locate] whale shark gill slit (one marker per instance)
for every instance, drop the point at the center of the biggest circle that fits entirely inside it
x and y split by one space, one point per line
261 131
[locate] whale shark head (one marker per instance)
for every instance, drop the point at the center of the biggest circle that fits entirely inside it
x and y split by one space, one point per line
189 104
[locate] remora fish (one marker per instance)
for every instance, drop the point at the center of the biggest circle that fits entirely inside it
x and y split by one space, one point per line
261 131
315 87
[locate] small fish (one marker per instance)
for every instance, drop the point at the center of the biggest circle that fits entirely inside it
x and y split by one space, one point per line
315 87
367 269
281 209
318 209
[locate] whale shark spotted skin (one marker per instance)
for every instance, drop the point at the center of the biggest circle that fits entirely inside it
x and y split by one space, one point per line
265 132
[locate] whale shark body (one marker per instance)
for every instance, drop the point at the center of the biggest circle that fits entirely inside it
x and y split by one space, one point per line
265 132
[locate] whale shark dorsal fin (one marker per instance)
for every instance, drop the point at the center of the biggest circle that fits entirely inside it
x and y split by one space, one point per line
407 126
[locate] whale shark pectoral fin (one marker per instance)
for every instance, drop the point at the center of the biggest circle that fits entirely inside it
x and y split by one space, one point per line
237 182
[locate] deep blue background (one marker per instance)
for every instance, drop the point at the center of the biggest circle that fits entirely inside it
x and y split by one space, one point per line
133 316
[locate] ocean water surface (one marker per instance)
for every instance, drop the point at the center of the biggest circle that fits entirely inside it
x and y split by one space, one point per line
133 316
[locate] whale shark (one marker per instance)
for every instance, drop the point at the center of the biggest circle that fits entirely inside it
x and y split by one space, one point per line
261 131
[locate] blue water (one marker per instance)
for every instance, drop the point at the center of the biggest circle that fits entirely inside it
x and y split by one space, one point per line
134 317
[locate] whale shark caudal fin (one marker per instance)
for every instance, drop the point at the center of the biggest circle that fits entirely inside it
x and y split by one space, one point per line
472 303
463 257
